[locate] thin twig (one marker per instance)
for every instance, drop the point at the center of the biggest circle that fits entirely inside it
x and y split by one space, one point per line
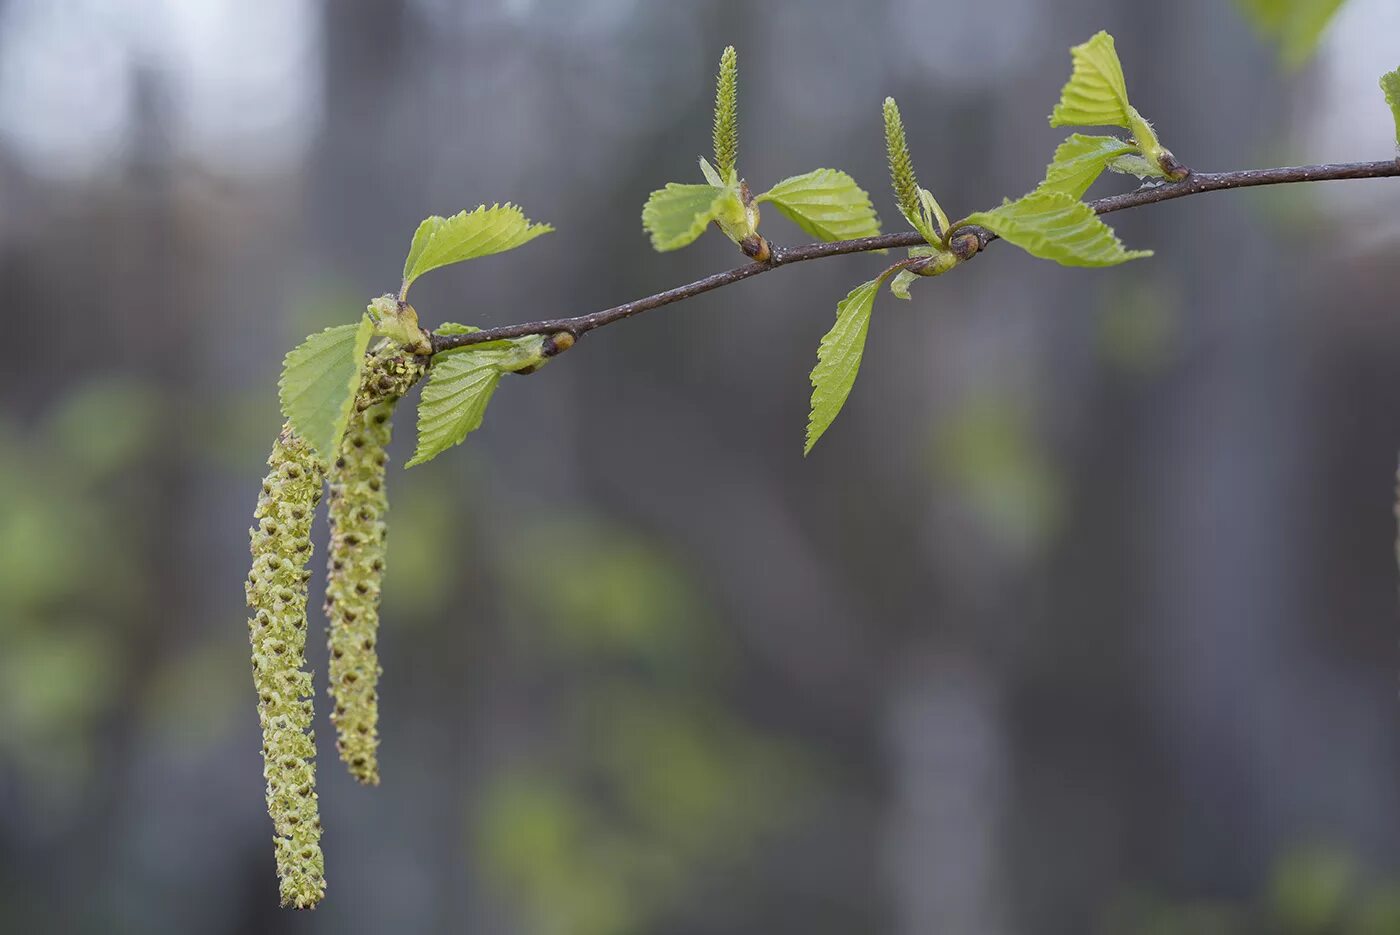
1195 184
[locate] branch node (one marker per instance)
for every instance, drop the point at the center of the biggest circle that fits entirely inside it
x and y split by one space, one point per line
1176 170
965 244
756 248
558 343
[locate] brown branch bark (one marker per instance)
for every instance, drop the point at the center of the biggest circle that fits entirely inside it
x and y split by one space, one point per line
1194 184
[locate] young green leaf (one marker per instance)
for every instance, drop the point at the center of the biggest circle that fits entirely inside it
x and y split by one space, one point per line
1296 25
899 285
318 384
928 261
1096 94
931 212
1135 164
838 358
452 327
465 236
712 175
460 385
727 113
1080 160
675 215
454 401
826 203
1390 85
1054 226
427 229
398 321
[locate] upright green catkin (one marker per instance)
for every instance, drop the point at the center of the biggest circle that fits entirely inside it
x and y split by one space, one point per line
727 114
902 179
355 569
276 589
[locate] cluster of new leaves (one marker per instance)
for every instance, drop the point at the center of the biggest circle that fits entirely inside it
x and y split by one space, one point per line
1051 222
320 376
826 203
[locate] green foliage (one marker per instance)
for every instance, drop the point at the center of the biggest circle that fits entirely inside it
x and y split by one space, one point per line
452 327
727 113
1135 164
1390 86
559 858
627 600
106 425
1053 226
459 387
1138 326
467 235
647 787
1379 912
1080 160
838 358
712 176
1311 890
930 212
899 285
677 214
672 791
77 487
986 451
677 760
396 320
454 401
1296 26
826 203
319 379
1096 95
663 761
58 686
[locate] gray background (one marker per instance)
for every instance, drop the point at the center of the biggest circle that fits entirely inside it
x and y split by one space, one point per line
1081 618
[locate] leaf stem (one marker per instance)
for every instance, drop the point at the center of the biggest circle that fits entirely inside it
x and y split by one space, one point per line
1194 184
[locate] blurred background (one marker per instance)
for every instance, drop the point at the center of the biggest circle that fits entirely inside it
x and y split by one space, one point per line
1080 620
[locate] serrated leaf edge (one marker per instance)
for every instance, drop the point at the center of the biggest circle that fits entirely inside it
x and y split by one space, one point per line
862 295
364 332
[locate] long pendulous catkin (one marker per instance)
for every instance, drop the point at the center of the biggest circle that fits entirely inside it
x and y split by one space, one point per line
358 504
276 589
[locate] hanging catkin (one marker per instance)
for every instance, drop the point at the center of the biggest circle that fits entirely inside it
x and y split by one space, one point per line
276 589
358 504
